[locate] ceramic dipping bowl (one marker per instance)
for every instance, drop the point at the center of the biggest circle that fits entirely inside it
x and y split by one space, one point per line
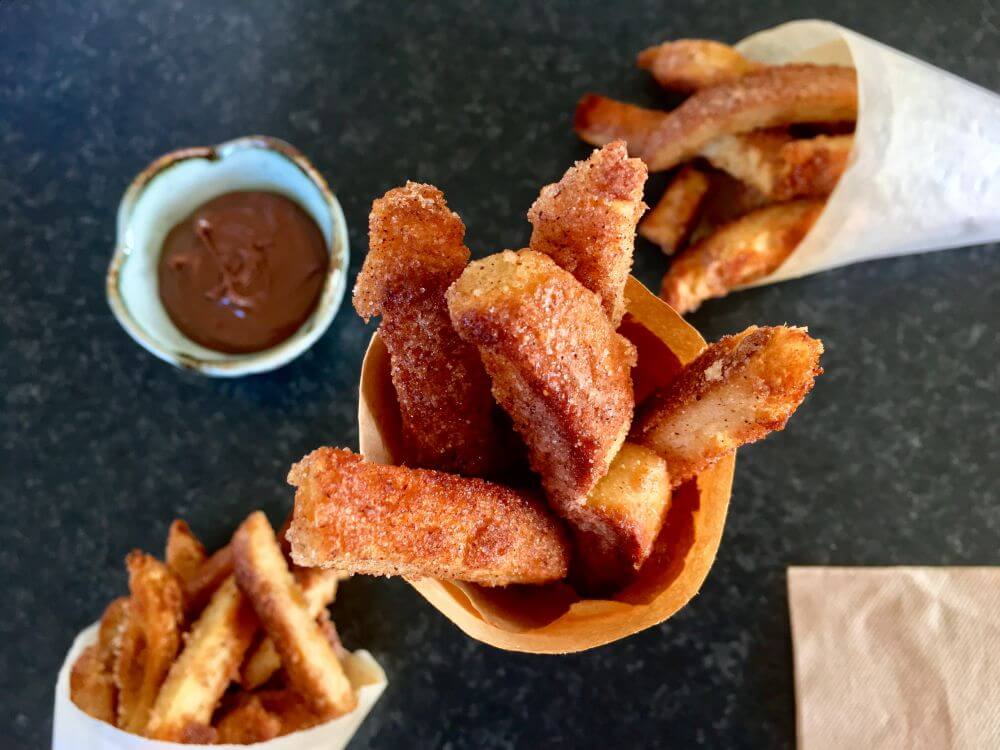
169 190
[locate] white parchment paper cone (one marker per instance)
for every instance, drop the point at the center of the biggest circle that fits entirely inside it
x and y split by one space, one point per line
901 657
72 729
924 172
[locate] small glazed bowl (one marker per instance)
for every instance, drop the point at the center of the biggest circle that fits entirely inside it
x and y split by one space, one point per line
169 190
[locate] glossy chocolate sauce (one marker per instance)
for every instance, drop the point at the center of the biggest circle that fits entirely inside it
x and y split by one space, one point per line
243 272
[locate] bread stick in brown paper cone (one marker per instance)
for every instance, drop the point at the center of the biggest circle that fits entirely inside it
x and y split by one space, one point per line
555 618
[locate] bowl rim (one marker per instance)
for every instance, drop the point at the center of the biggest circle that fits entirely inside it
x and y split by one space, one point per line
334 285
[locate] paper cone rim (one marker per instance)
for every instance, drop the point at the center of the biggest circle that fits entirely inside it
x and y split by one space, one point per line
586 623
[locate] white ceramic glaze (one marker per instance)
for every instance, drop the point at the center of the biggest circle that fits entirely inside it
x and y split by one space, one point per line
168 191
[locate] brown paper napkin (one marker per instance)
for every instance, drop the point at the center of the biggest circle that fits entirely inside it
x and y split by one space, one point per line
896 657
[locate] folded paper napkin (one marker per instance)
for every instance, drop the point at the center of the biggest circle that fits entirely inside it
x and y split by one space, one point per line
896 657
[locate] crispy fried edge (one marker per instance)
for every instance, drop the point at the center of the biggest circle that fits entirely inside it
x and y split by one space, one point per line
540 555
184 553
771 369
211 657
319 586
307 656
691 64
586 222
670 223
737 253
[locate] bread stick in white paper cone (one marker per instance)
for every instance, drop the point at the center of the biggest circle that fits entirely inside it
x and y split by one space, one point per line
72 729
923 173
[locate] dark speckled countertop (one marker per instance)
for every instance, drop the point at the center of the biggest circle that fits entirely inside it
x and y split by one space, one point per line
893 459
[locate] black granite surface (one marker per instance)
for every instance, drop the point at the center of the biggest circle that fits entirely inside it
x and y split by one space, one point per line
893 459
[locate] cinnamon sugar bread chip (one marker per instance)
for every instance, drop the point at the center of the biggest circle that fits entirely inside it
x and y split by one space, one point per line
773 96
629 504
556 364
388 520
742 251
736 392
673 218
781 166
692 64
416 250
586 222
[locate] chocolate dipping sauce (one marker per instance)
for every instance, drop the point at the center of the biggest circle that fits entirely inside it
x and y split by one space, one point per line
243 272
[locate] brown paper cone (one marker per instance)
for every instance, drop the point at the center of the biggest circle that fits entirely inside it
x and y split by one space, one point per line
554 619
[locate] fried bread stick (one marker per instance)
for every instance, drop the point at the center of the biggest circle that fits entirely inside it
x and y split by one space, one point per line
557 366
735 392
773 96
742 251
391 520
670 223
150 638
691 64
586 222
781 166
560 371
415 251
308 658
211 656
319 587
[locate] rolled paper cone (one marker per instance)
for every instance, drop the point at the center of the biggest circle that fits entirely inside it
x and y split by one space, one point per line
72 729
923 172
554 619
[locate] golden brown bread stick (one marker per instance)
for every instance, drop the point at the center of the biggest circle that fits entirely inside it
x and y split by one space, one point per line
781 166
599 120
319 586
91 687
586 222
416 250
109 632
742 251
811 167
393 520
206 579
248 722
778 95
211 657
631 500
184 553
670 223
150 638
307 656
557 365
692 64
735 392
